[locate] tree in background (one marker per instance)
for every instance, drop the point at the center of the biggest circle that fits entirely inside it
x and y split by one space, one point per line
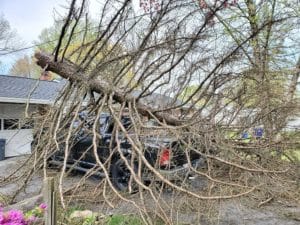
83 34
224 57
8 39
268 64
76 49
25 67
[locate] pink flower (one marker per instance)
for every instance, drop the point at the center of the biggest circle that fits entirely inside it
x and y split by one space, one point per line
2 218
43 206
14 223
15 216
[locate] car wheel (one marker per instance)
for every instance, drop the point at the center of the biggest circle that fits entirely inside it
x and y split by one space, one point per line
120 176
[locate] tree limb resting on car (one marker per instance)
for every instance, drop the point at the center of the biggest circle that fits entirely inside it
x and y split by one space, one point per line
70 71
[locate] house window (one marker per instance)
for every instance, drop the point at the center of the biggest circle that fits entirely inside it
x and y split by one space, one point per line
10 124
26 124
15 124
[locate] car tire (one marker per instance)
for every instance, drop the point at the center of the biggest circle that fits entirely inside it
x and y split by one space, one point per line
120 176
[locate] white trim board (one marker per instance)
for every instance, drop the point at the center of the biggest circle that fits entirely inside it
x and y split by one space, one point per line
26 100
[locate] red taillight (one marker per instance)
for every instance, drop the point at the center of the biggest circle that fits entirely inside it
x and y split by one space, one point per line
164 157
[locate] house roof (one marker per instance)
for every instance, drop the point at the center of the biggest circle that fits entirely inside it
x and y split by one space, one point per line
22 90
15 89
160 101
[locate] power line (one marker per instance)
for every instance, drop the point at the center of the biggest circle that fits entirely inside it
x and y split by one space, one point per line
26 48
47 42
104 25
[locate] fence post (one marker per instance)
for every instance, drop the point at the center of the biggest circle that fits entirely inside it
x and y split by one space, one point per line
49 194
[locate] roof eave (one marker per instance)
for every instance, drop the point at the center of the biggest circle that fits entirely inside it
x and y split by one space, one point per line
26 100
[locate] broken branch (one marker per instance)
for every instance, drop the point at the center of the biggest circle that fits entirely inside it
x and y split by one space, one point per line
70 71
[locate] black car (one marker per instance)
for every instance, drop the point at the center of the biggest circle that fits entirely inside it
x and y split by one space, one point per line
163 154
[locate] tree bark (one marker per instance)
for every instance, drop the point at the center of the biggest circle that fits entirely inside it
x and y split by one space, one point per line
293 85
72 72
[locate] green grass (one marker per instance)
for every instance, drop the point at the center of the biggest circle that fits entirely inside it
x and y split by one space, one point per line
129 220
117 219
293 155
124 220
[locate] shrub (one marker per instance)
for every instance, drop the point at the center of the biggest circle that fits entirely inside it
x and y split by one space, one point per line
17 217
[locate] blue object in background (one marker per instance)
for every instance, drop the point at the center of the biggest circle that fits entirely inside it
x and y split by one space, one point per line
258 132
245 135
2 149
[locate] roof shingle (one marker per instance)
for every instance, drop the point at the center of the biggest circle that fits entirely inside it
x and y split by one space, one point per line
21 89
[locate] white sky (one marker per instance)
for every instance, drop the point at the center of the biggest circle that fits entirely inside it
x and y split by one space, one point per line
28 18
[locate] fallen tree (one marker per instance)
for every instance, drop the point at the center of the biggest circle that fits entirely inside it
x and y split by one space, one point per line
70 71
180 52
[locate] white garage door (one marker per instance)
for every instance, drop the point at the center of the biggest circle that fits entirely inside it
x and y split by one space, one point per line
18 136
18 142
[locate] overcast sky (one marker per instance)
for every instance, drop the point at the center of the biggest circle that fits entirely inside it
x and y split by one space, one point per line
28 18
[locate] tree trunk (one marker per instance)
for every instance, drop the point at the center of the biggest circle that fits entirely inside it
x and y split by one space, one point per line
70 71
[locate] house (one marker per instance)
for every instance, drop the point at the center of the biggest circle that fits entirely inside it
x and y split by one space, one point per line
162 101
20 96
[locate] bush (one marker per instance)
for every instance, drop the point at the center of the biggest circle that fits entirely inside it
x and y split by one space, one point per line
17 217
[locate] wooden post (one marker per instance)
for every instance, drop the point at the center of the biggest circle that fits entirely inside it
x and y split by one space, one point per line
49 194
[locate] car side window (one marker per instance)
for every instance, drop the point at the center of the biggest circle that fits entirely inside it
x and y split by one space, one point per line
107 124
103 124
110 127
126 122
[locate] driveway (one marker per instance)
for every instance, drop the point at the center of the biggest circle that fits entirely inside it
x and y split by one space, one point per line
231 212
